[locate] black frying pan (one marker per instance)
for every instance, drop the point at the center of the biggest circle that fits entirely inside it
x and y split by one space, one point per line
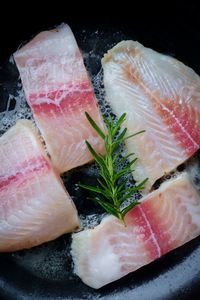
45 272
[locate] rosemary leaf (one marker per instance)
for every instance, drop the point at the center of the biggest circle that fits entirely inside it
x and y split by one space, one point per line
134 134
124 158
119 123
108 207
129 207
96 156
95 126
93 189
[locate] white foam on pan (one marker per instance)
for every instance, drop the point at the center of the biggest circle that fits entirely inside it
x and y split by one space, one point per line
97 81
90 221
21 110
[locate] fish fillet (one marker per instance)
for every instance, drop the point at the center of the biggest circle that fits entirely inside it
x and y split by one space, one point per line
166 219
59 92
159 95
34 205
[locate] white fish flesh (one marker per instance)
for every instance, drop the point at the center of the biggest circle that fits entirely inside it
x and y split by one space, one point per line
59 93
34 205
166 219
159 95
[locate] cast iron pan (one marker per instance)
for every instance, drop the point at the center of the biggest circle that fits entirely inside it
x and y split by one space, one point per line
45 272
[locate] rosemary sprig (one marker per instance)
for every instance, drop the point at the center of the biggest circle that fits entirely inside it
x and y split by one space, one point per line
112 192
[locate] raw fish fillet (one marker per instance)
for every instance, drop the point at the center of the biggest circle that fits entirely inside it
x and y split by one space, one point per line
59 92
160 95
166 219
34 205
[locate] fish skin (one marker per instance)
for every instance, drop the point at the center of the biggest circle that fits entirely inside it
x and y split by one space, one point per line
34 205
166 219
59 92
159 95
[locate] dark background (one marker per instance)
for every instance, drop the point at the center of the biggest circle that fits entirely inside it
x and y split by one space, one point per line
178 22
173 28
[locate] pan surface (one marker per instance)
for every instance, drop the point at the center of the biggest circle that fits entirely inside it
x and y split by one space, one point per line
45 272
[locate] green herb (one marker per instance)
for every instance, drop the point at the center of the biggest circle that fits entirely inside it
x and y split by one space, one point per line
112 192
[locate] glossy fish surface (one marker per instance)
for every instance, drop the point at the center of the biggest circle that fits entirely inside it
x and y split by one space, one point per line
34 205
166 219
159 95
59 92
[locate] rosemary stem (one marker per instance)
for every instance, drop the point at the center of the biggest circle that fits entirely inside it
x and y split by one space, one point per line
112 191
